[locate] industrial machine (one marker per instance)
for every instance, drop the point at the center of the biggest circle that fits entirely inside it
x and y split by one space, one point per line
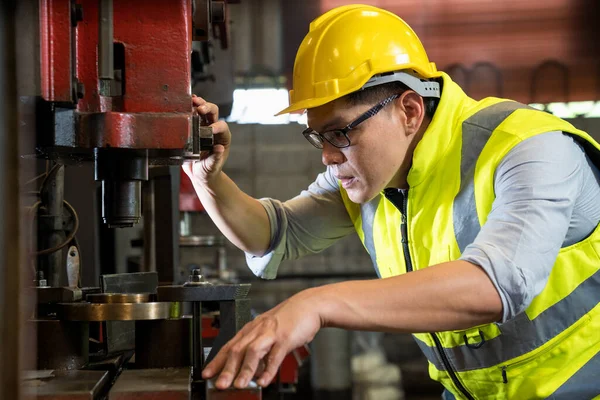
115 90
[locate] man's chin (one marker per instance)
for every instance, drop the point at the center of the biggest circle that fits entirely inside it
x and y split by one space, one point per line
360 196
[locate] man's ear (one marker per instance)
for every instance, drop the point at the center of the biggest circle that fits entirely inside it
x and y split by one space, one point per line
413 107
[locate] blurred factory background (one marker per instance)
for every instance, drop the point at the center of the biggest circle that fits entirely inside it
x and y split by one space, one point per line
545 53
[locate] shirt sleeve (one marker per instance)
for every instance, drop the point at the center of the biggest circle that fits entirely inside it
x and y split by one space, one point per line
306 224
536 185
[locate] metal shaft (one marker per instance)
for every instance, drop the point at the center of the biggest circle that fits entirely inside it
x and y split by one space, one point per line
197 349
149 213
56 196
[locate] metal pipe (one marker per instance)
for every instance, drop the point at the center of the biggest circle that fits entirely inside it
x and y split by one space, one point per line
105 38
10 301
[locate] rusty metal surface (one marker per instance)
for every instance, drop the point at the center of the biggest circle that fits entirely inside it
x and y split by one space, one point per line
55 50
112 312
67 385
152 384
109 298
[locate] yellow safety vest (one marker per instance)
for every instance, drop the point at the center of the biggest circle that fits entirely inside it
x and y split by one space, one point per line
553 348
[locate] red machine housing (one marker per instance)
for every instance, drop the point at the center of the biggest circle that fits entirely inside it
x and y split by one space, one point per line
152 43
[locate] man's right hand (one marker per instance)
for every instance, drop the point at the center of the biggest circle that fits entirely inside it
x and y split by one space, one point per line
211 163
241 218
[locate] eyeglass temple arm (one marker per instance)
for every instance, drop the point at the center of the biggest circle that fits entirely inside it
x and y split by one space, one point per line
372 112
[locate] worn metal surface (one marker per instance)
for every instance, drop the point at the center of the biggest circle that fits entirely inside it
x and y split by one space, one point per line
137 282
108 298
163 344
152 384
112 312
67 385
61 345
207 292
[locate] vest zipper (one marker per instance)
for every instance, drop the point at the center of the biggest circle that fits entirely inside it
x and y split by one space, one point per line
392 196
404 231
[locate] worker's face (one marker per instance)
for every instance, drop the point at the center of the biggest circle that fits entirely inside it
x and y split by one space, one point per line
381 147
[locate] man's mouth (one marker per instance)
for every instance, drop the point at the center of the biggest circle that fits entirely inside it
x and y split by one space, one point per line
347 181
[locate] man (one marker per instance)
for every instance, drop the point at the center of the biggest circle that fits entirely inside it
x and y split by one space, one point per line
492 207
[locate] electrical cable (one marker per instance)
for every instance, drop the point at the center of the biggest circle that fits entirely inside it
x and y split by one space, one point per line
69 238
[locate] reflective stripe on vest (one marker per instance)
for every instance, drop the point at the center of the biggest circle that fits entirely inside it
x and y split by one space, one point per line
535 333
476 131
583 384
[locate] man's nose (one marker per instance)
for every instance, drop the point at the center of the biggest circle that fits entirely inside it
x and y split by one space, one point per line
331 155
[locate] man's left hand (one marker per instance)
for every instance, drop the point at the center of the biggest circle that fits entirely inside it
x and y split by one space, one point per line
267 339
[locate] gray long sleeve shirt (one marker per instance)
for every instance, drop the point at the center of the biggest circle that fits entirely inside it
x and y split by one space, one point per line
547 197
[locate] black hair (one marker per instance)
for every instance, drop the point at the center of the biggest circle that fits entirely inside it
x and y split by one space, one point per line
374 94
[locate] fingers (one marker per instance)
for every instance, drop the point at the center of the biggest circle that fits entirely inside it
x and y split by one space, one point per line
260 369
276 356
233 362
227 355
208 110
255 352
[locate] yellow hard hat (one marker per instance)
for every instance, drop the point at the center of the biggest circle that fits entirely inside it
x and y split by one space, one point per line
348 47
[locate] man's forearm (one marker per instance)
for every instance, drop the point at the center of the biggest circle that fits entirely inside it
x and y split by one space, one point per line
241 218
451 296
